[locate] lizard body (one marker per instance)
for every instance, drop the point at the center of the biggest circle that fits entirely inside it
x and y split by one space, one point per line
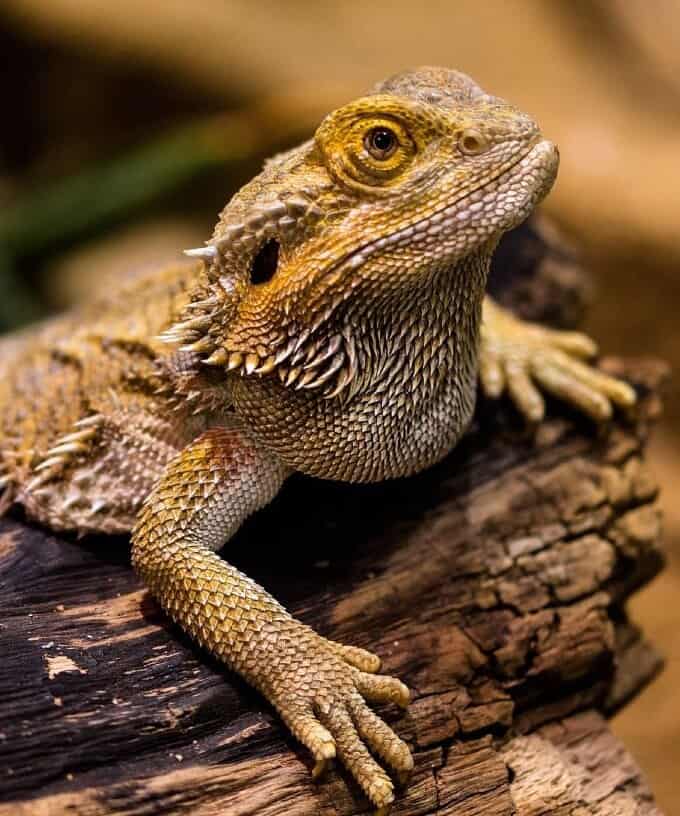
335 325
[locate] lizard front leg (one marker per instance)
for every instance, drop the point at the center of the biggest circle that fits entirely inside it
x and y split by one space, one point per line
318 686
519 357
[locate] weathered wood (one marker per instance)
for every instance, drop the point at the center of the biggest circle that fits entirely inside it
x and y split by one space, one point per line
494 585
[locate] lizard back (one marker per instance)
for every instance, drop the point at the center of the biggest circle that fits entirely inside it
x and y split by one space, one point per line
66 387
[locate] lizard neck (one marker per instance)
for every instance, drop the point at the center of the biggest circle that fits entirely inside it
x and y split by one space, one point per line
421 338
414 392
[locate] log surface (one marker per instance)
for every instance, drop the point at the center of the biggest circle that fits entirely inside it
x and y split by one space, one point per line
494 585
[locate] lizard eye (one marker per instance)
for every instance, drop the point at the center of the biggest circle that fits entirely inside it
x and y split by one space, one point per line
369 148
381 142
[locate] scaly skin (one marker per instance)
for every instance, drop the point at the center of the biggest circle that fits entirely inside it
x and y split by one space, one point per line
334 325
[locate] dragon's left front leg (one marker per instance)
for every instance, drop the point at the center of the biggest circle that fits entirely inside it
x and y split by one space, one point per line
319 687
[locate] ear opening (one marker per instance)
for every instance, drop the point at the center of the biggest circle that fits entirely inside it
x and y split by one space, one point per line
265 262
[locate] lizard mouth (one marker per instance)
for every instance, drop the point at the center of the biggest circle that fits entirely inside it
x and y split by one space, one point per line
498 205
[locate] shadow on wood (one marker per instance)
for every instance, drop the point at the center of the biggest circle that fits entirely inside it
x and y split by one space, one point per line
494 585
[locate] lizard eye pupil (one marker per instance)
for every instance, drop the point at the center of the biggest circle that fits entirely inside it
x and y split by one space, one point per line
380 142
265 262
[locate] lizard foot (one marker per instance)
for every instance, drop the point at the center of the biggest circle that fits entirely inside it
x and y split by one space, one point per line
520 357
321 688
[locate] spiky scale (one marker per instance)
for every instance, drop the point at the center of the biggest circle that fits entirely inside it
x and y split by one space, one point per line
292 375
97 506
67 448
275 209
49 464
219 357
206 305
206 253
80 436
90 422
205 344
320 378
297 205
341 383
283 354
267 366
235 361
325 352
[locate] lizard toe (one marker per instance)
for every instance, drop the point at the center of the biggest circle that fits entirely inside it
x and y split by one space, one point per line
313 735
574 343
356 757
361 659
380 738
380 688
563 383
524 393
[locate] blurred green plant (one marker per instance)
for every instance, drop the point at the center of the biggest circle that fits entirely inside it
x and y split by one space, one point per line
58 216
65 212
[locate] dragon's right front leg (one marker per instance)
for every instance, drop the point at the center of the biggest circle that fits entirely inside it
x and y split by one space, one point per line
318 686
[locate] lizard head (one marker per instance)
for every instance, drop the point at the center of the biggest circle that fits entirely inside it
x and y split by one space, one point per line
394 187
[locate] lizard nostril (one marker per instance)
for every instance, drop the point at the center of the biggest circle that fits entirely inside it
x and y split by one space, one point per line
472 142
265 262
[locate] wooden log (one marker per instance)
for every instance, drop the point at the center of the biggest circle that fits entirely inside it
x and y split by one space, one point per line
494 585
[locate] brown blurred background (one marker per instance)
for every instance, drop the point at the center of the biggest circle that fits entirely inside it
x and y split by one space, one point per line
127 125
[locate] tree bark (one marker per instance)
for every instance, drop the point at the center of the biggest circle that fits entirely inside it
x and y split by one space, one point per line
494 585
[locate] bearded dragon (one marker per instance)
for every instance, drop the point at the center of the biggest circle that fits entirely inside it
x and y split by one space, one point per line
335 325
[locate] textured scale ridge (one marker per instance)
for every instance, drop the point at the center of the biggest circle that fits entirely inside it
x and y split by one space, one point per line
335 324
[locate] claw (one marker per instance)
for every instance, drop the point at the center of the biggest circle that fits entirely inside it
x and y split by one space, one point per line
320 768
